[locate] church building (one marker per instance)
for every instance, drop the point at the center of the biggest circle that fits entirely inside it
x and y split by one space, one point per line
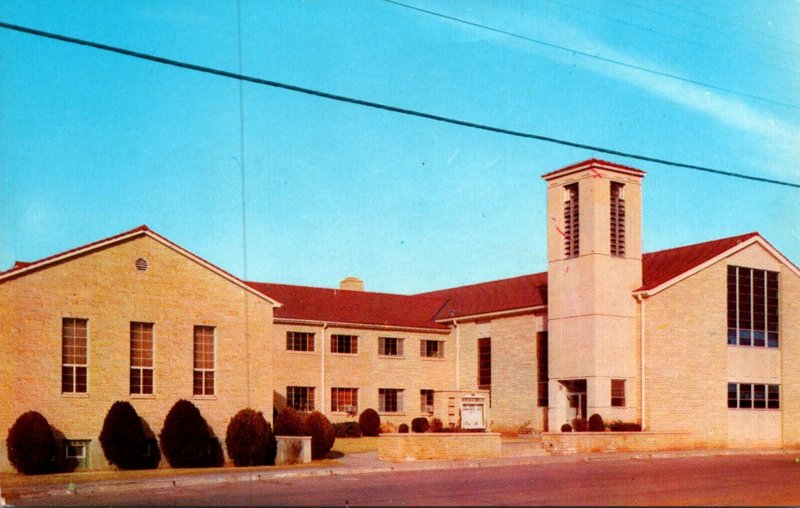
702 340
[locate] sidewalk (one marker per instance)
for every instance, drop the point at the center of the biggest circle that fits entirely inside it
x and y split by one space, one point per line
516 452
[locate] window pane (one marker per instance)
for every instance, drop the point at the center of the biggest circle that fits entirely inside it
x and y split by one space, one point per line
773 396
745 396
732 396
759 396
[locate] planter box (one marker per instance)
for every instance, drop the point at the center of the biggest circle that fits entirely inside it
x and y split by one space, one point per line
293 450
588 442
439 446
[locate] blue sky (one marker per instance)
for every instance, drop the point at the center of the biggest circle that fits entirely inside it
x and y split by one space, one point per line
94 143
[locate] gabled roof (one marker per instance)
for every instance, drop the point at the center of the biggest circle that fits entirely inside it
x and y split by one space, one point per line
431 310
341 306
593 163
21 268
664 265
517 293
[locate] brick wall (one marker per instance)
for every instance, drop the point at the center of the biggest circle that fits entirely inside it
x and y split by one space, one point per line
367 370
175 294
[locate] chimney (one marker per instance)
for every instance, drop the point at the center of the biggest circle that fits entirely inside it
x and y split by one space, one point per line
352 284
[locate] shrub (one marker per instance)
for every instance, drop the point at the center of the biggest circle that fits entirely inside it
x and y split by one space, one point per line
322 434
125 441
347 429
288 422
436 425
619 426
566 428
187 440
369 422
579 425
403 428
420 425
596 423
31 444
249 439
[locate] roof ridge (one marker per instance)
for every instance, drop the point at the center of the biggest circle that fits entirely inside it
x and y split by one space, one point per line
381 293
697 244
19 265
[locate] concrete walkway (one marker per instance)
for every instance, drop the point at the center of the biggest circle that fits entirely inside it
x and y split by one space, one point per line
515 452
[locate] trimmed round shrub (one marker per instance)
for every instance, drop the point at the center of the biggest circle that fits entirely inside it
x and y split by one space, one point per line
436 425
579 425
370 422
248 438
403 428
31 444
288 422
596 423
124 440
322 434
619 426
347 429
420 425
566 428
187 440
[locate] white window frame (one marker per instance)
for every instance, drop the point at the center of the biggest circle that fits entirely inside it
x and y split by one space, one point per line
399 347
398 400
205 370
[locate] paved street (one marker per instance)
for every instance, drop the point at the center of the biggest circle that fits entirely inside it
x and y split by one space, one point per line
714 480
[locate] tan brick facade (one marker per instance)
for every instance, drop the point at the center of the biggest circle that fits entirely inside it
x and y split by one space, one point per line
175 294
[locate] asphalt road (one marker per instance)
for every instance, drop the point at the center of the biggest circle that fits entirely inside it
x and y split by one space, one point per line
723 480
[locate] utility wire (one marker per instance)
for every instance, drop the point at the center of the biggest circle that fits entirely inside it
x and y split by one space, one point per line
740 26
595 57
755 61
385 107
706 27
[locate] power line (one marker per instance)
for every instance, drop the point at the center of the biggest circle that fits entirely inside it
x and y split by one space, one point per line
385 107
740 26
755 61
595 57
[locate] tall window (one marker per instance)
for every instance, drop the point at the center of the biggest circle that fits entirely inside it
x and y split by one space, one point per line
344 344
618 393
390 346
74 358
299 341
204 360
543 399
300 398
571 223
752 307
753 396
141 358
390 400
431 348
617 219
485 363
426 401
344 400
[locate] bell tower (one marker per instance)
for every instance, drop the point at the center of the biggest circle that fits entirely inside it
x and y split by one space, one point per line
594 254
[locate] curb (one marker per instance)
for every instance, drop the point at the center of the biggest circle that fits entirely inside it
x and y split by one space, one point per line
216 478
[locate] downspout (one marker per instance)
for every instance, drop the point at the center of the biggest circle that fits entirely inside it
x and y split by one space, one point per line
641 300
458 355
322 369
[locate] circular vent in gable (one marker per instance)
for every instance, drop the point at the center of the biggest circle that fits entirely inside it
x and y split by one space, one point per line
141 264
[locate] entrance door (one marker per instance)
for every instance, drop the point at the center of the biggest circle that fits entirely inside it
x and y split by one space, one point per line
576 397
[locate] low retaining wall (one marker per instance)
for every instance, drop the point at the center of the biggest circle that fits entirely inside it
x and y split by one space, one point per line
293 450
438 446
587 442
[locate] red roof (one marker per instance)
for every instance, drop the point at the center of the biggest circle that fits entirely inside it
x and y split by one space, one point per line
593 162
499 295
422 310
357 307
661 266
